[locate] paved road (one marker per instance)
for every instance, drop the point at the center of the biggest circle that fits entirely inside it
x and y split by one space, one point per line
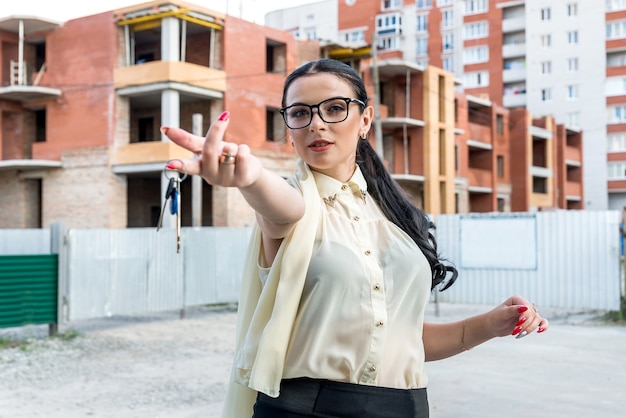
160 366
577 369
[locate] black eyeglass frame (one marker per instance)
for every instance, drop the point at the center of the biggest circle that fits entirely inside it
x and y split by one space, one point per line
348 100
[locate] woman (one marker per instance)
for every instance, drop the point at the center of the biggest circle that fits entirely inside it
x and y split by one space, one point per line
340 267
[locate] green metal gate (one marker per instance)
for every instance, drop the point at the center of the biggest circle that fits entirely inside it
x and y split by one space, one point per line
28 289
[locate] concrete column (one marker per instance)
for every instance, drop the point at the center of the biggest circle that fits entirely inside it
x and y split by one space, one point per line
170 39
196 181
170 116
170 99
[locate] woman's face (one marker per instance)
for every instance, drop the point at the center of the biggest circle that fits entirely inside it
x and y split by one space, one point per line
329 148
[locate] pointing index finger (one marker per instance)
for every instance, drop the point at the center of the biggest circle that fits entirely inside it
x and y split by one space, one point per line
184 139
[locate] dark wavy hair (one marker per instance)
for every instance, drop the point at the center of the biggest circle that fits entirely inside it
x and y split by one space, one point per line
381 186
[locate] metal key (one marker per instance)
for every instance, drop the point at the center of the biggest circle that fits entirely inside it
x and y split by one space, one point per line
172 194
168 193
175 210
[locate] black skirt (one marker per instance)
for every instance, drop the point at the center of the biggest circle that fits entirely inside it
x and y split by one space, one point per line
306 397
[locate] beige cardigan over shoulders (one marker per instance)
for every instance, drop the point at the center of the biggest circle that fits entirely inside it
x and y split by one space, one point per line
266 314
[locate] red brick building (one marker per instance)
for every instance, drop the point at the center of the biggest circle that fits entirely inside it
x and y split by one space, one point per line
80 124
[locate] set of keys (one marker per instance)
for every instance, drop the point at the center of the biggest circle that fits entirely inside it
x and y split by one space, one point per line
172 194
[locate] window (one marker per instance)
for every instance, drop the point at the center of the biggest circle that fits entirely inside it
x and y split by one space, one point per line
546 95
311 34
501 204
422 62
476 79
500 166
572 9
392 4
616 29
447 18
616 142
40 125
275 57
545 14
448 63
475 30
573 120
422 47
422 23
390 43
475 55
389 24
145 129
546 67
274 125
616 170
441 3
423 4
572 92
500 124
572 37
476 6
619 114
354 36
572 65
614 5
616 59
546 41
515 64
448 42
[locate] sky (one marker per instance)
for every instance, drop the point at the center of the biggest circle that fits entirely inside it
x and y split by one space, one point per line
62 10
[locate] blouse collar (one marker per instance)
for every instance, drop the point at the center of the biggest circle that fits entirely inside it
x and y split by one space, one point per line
329 188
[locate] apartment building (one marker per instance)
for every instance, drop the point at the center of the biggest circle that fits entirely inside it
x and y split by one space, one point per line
501 160
615 92
79 126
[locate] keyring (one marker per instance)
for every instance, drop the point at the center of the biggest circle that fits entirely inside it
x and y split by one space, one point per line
166 170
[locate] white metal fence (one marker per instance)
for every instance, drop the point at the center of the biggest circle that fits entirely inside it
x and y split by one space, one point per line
563 259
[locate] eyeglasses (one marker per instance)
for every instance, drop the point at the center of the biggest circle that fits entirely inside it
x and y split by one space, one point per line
332 110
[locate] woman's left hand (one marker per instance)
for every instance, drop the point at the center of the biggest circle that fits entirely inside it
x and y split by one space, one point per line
516 316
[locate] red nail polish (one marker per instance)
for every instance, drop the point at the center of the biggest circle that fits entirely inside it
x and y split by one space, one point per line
517 330
164 130
170 166
522 309
224 116
540 330
520 322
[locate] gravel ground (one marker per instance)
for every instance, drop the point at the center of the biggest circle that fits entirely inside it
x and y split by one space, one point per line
147 366
161 366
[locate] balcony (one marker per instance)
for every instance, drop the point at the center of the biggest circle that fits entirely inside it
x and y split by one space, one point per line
514 100
480 134
540 172
517 75
23 88
162 73
480 180
513 24
540 133
514 50
23 76
573 190
573 155
148 152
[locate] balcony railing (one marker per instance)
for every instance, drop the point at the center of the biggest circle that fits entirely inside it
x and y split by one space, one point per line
24 84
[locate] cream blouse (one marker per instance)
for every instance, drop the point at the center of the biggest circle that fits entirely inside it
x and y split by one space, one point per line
343 300
362 307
